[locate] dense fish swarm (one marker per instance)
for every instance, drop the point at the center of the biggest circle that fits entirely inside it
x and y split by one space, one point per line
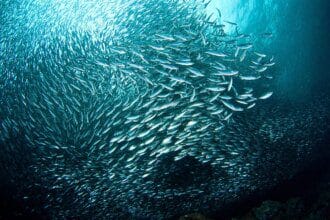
120 108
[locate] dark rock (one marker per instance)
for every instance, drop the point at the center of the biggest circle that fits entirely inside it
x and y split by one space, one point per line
269 210
194 216
295 208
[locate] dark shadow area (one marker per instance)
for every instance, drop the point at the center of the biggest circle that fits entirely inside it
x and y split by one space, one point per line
310 186
182 173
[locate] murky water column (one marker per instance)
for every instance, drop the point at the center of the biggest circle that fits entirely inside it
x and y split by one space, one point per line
299 42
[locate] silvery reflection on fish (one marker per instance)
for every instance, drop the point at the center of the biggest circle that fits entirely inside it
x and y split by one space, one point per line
106 88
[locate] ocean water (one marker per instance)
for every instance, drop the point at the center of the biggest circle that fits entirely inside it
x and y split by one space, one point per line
301 29
157 109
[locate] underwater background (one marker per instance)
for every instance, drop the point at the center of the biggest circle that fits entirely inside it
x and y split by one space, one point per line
159 109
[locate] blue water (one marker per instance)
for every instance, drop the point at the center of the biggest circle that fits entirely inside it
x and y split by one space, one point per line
279 138
300 42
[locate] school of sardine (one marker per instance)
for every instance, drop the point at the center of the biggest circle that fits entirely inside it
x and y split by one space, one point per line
104 95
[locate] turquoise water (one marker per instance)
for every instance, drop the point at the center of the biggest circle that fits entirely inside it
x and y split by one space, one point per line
155 109
301 30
